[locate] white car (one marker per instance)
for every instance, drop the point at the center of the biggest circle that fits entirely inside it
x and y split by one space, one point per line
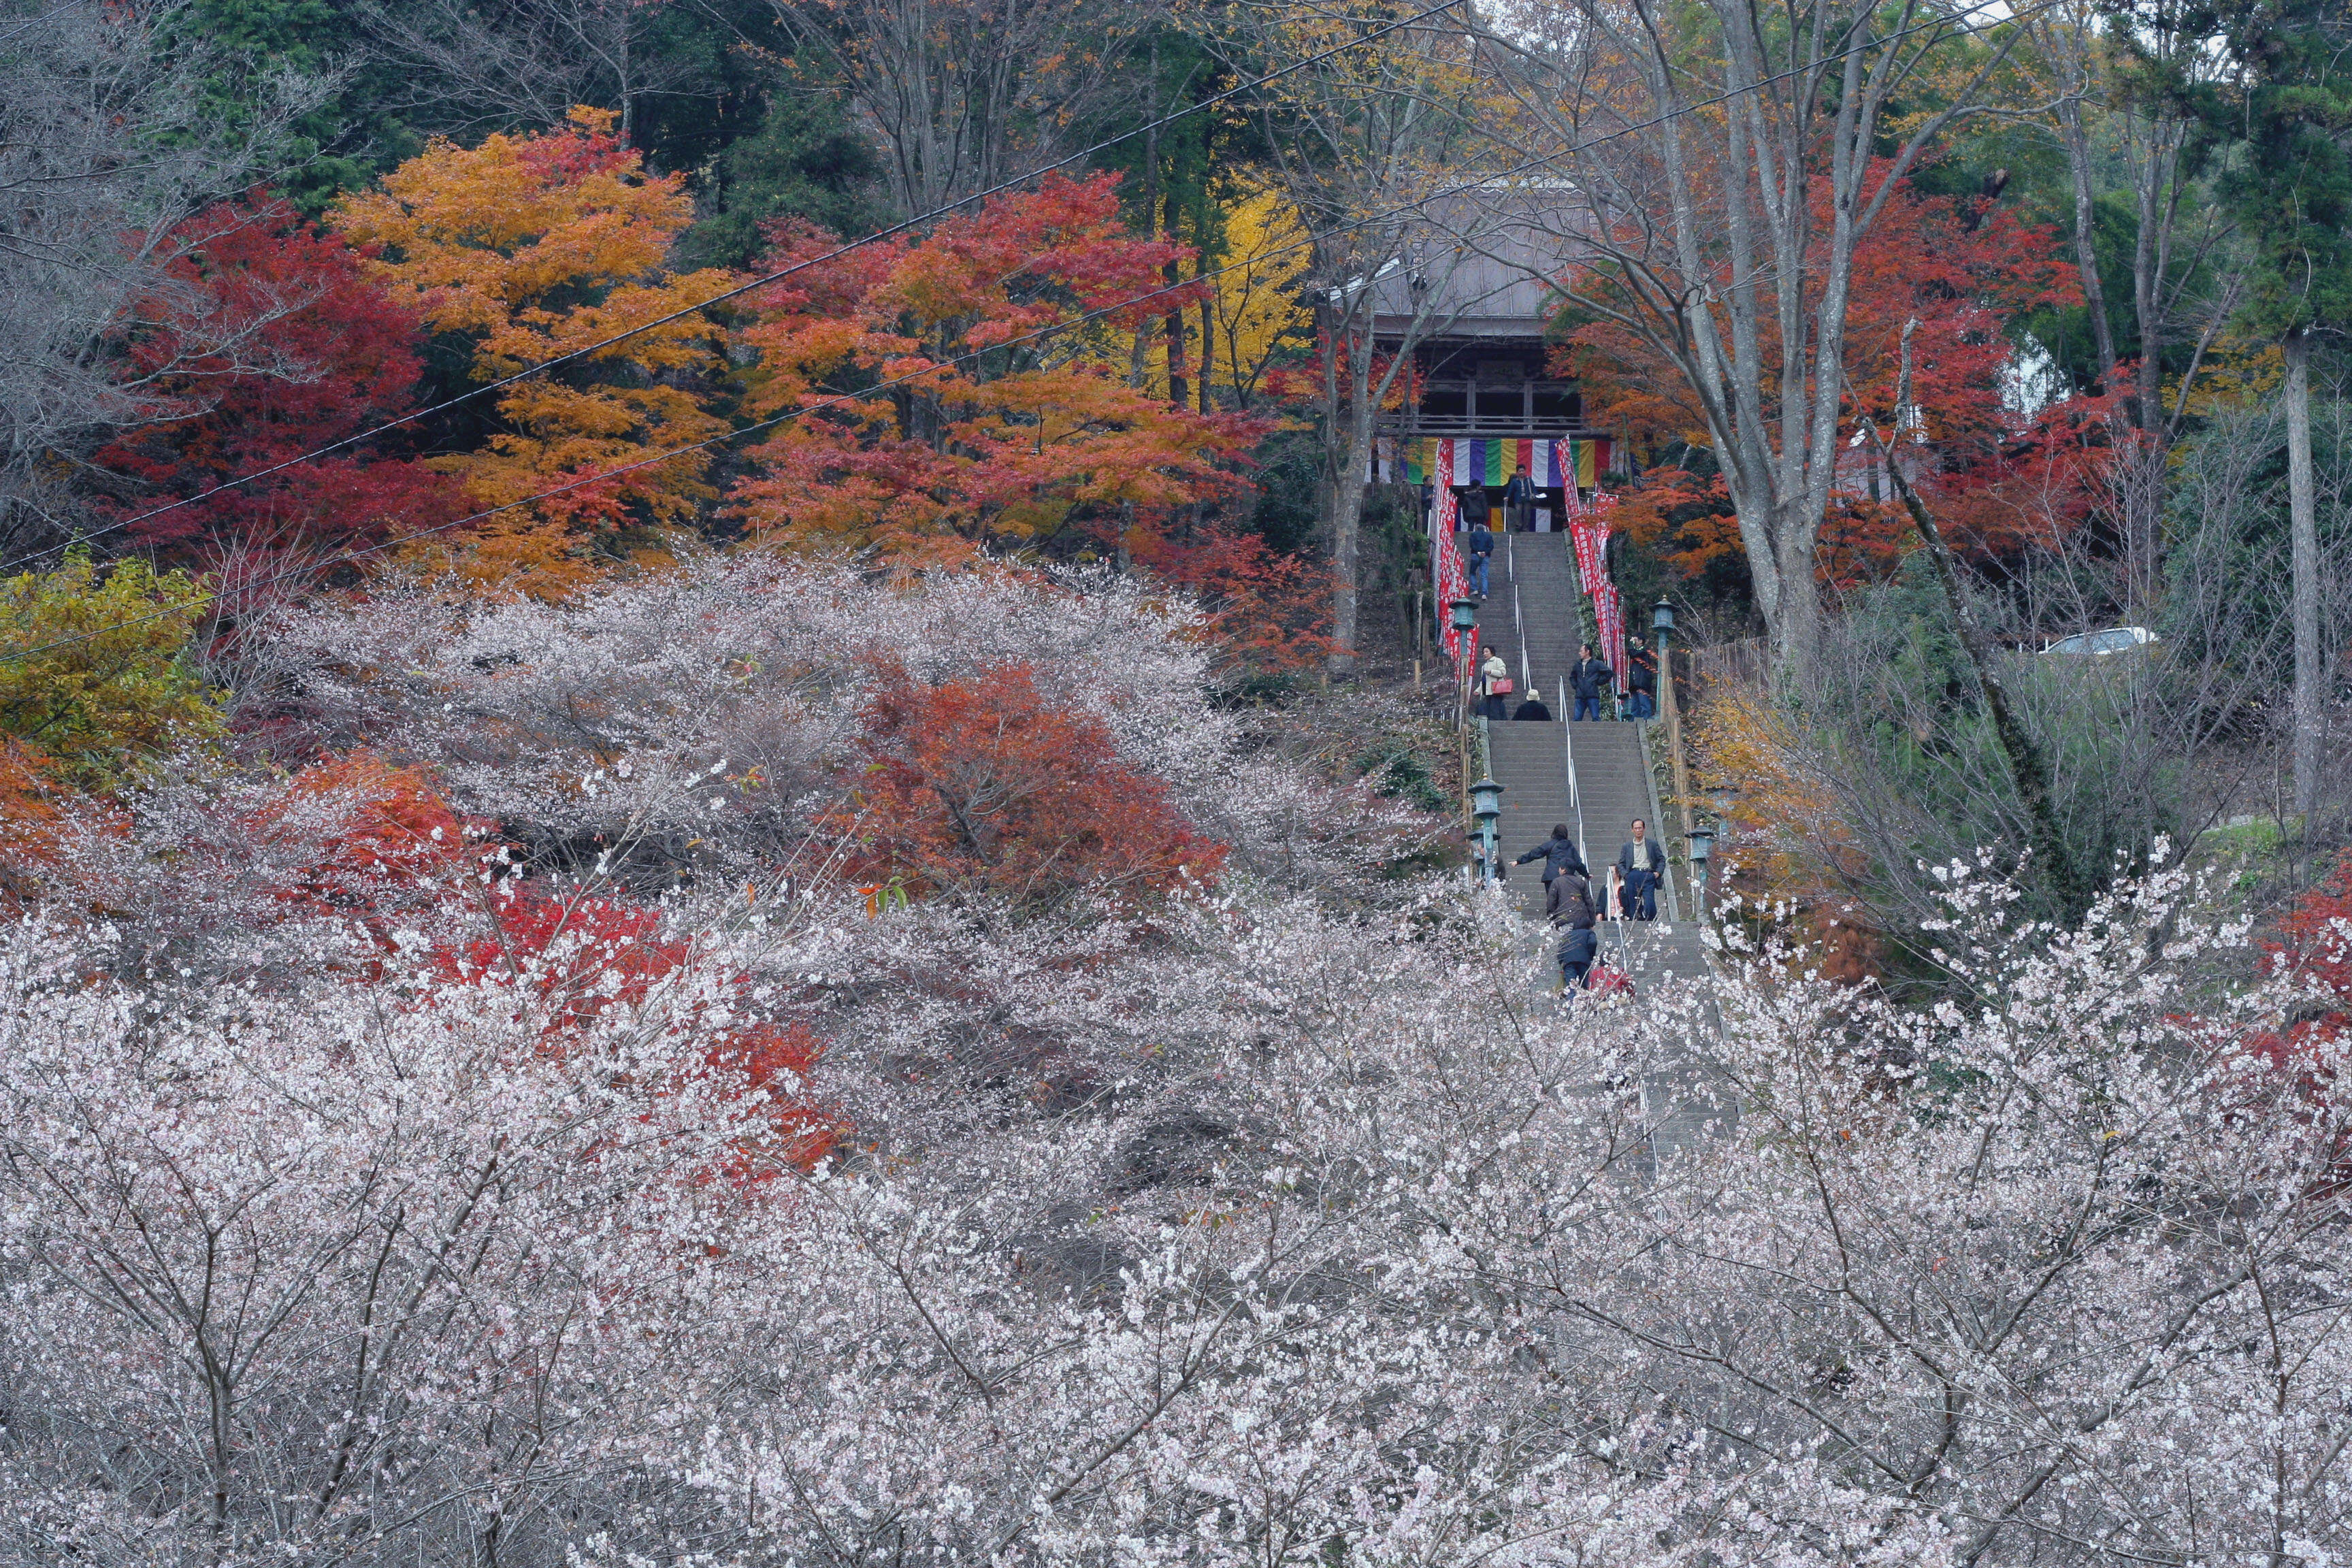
2115 639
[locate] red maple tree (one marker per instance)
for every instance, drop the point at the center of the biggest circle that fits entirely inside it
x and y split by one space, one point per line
1964 269
982 784
1265 610
2315 942
270 342
391 843
585 956
988 433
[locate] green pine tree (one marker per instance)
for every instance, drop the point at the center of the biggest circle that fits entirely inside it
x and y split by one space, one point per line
2287 182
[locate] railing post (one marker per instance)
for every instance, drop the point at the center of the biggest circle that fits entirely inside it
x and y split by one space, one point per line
1662 628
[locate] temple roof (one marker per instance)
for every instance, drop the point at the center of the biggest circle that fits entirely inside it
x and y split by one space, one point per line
1486 259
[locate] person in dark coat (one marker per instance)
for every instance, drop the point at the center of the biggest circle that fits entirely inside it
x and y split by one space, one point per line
1481 549
1641 681
1588 680
1640 865
1519 503
1558 854
1475 513
1533 707
1568 906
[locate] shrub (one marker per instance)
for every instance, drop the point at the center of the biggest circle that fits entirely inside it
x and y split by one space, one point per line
984 786
93 672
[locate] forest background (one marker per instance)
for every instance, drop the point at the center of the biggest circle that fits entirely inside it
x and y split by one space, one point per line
278 263
723 846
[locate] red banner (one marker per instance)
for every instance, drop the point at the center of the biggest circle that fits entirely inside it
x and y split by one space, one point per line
1451 583
1582 533
1590 531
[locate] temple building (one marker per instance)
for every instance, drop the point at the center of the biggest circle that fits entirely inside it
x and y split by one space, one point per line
1479 380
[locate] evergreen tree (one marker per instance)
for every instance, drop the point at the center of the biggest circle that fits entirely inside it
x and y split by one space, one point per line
2288 185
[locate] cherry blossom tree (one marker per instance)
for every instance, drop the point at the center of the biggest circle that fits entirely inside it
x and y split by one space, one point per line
519 1201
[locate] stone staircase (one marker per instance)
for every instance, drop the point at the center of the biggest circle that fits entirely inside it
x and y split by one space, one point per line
1532 615
1533 618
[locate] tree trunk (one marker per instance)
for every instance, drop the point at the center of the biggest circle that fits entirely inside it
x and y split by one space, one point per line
1208 350
1794 628
2086 258
2157 177
1179 391
1139 368
2303 519
1352 414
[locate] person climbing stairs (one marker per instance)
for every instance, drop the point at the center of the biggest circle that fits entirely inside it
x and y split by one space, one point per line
1534 619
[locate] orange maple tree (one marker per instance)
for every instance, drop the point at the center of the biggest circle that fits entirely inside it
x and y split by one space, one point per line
34 804
984 785
395 843
537 246
986 434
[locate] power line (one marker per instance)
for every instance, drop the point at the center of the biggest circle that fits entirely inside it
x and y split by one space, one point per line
313 568
47 16
740 289
344 557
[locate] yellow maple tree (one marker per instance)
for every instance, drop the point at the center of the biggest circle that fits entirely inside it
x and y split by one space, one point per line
1261 308
1773 784
539 246
1259 311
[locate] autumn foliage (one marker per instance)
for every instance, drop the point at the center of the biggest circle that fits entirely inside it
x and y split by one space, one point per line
94 673
582 957
1963 270
370 838
32 806
1265 610
985 785
984 433
2314 944
272 343
532 246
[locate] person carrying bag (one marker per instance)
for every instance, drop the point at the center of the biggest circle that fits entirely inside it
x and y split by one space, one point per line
1495 685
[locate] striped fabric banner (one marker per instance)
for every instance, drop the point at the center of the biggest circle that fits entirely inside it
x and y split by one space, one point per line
1491 460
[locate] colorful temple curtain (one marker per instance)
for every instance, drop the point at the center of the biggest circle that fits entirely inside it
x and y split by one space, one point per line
1482 459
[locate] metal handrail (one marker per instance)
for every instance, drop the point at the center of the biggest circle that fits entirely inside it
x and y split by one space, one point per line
1583 837
1485 756
1575 795
1668 889
1519 624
